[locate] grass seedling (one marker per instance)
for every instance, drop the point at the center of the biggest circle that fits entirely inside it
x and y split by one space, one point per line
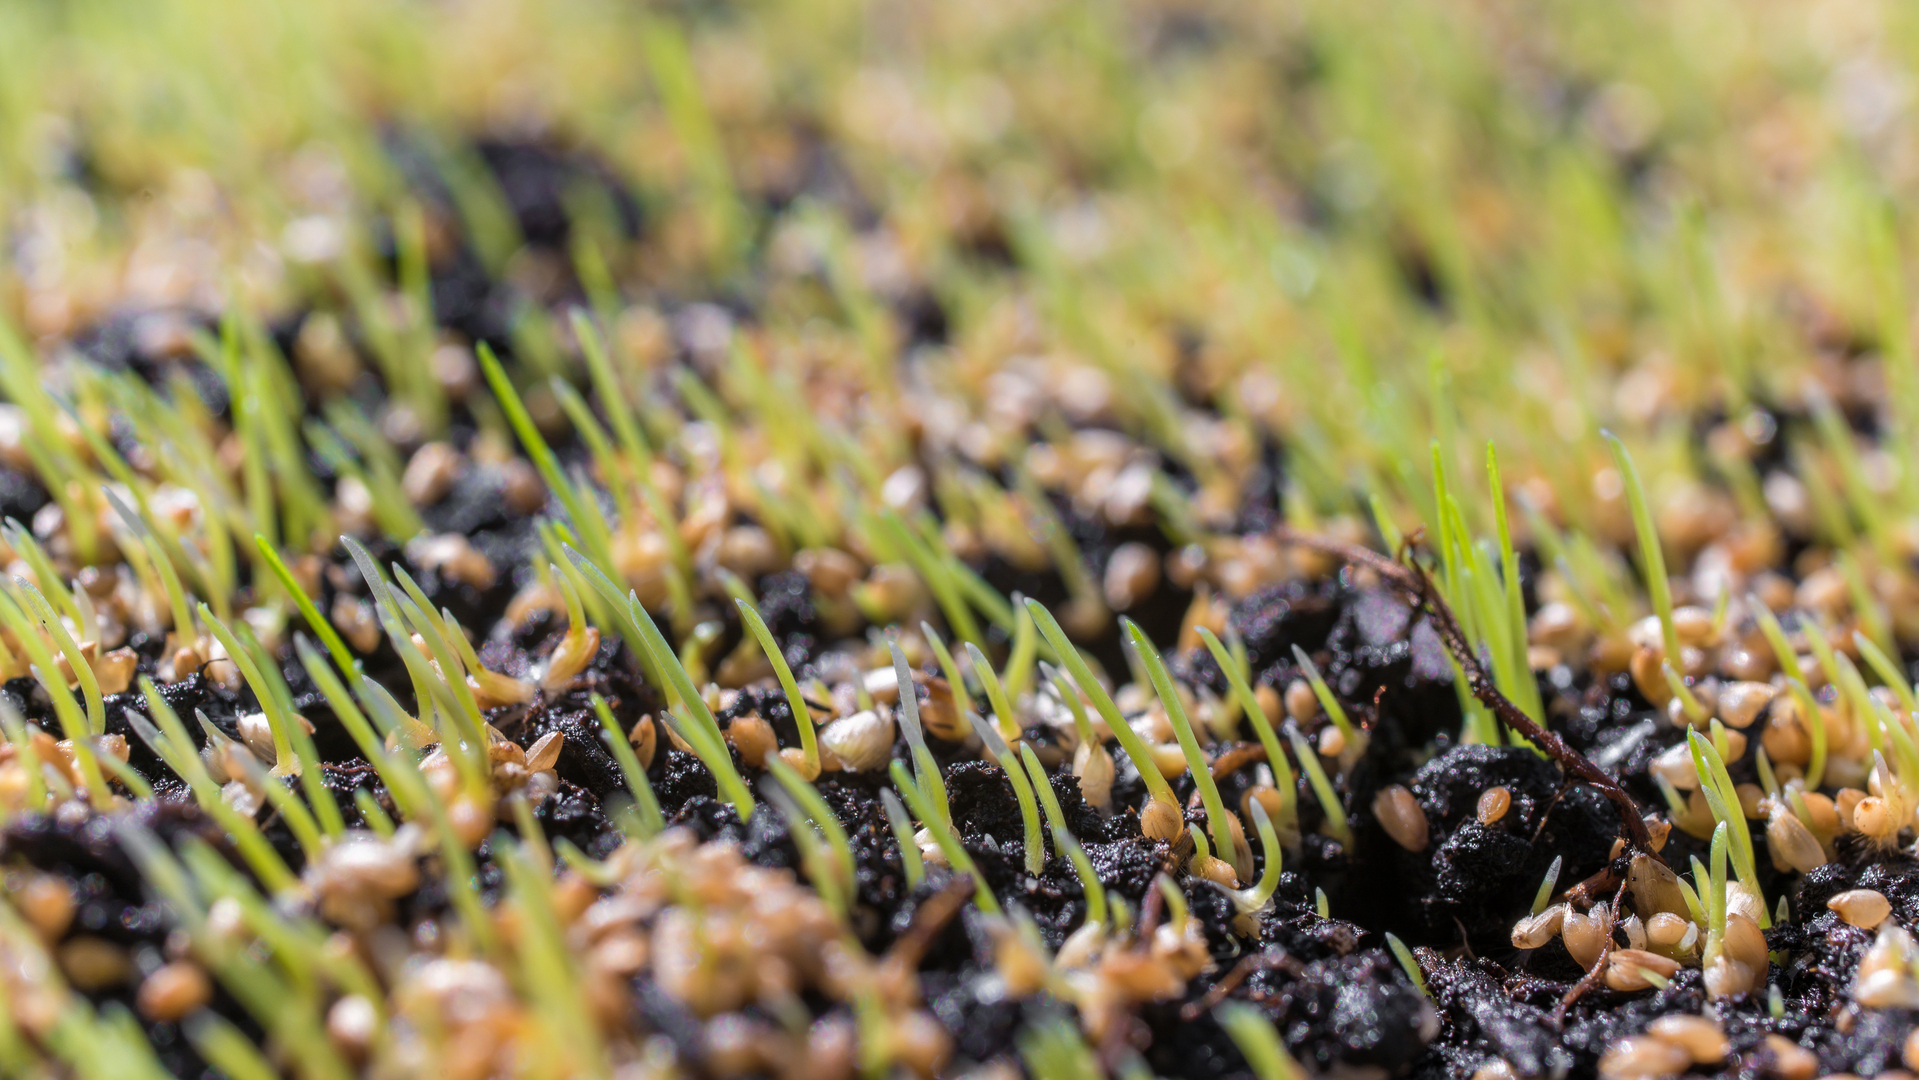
392 512
1888 671
36 605
15 726
1694 710
1459 580
582 509
995 694
678 679
1711 889
1129 740
703 733
814 856
322 628
128 776
1042 786
1053 1050
1407 963
987 599
1525 689
1196 762
612 395
375 815
405 783
174 746
1652 560
285 803
1904 750
500 687
902 826
648 816
1336 824
285 763
802 713
1256 716
1844 678
1872 616
1546 886
1256 899
548 968
725 221
1075 706
72 722
938 576
178 601
1002 755
962 700
460 870
1788 660
1259 1041
298 943
925 768
1177 910
943 835
1334 711
813 806
1019 663
458 729
1717 786
22 542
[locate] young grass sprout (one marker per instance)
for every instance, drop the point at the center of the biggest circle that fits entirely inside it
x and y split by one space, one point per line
1002 755
1196 763
802 713
1129 740
1259 1041
1334 710
902 826
1651 559
1408 963
1256 899
1336 824
925 769
648 815
945 837
1717 786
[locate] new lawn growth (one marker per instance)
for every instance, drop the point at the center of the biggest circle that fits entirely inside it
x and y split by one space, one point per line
925 770
703 733
802 713
831 865
648 814
1717 786
1336 824
943 835
1196 762
1249 707
1334 710
1089 686
1256 898
1000 754
902 826
1652 560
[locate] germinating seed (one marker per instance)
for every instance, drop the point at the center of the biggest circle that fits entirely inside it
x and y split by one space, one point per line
1864 908
1400 815
1493 804
1699 1037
